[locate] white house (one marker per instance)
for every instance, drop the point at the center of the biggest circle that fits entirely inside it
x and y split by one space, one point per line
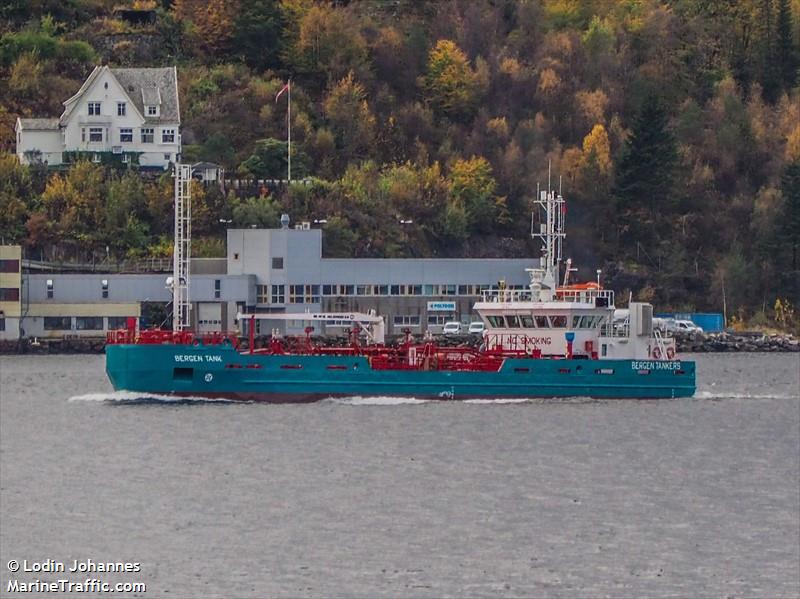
127 115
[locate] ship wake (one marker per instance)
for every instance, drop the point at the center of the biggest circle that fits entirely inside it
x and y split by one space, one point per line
133 397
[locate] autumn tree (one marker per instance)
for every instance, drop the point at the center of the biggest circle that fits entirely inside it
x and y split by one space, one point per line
350 118
472 187
450 83
15 188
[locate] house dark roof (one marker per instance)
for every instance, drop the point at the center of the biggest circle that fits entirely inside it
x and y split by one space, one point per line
38 124
146 85
152 86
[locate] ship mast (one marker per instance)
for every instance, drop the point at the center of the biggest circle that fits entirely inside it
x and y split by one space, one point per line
182 253
551 233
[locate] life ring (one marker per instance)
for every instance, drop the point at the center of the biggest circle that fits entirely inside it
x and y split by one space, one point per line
670 353
656 353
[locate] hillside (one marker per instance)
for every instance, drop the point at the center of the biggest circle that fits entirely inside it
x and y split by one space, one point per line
674 127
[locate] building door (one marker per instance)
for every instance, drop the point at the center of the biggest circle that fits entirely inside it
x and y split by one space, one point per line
209 317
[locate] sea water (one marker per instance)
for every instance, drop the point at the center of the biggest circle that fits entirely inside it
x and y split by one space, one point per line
391 497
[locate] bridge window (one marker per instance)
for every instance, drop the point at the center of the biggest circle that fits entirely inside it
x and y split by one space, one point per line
526 320
513 321
542 322
559 321
496 321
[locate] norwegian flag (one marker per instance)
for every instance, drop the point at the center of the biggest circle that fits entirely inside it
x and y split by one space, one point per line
283 89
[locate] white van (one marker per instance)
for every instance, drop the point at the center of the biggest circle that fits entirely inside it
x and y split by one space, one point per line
477 327
452 328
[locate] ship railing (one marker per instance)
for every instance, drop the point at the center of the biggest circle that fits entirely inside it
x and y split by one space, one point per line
586 296
167 337
621 330
507 295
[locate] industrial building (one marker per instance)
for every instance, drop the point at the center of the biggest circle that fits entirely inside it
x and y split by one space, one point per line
265 270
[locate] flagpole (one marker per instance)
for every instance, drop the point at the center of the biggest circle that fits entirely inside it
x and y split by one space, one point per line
289 119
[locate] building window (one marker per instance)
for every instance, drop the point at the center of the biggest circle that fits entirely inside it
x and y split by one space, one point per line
277 263
95 134
104 288
329 290
406 321
49 288
83 134
2 324
121 108
89 323
148 134
126 135
168 136
57 323
9 294
217 288
304 294
117 322
94 108
9 266
167 157
278 294
126 159
436 319
152 110
261 294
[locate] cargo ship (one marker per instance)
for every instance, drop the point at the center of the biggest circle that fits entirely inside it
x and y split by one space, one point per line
545 341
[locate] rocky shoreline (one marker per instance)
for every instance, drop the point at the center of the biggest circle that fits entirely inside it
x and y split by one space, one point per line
743 341
700 343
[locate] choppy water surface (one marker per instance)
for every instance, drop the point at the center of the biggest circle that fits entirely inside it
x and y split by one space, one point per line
372 497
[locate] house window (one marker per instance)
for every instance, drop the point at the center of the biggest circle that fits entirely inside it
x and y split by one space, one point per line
96 158
217 288
2 324
148 134
95 134
126 135
277 263
406 321
104 288
121 108
167 136
94 108
9 294
167 157
126 159
278 294
83 134
57 323
152 111
89 323
49 288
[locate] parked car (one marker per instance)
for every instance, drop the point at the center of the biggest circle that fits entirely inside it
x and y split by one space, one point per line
452 328
477 328
682 326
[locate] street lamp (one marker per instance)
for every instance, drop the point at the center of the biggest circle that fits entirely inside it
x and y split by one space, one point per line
320 221
226 221
598 277
404 221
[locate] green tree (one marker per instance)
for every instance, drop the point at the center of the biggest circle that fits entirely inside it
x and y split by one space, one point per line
269 161
262 212
645 177
790 188
785 51
256 33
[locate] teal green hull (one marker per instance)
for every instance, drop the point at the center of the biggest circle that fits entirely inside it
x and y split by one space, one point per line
221 371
